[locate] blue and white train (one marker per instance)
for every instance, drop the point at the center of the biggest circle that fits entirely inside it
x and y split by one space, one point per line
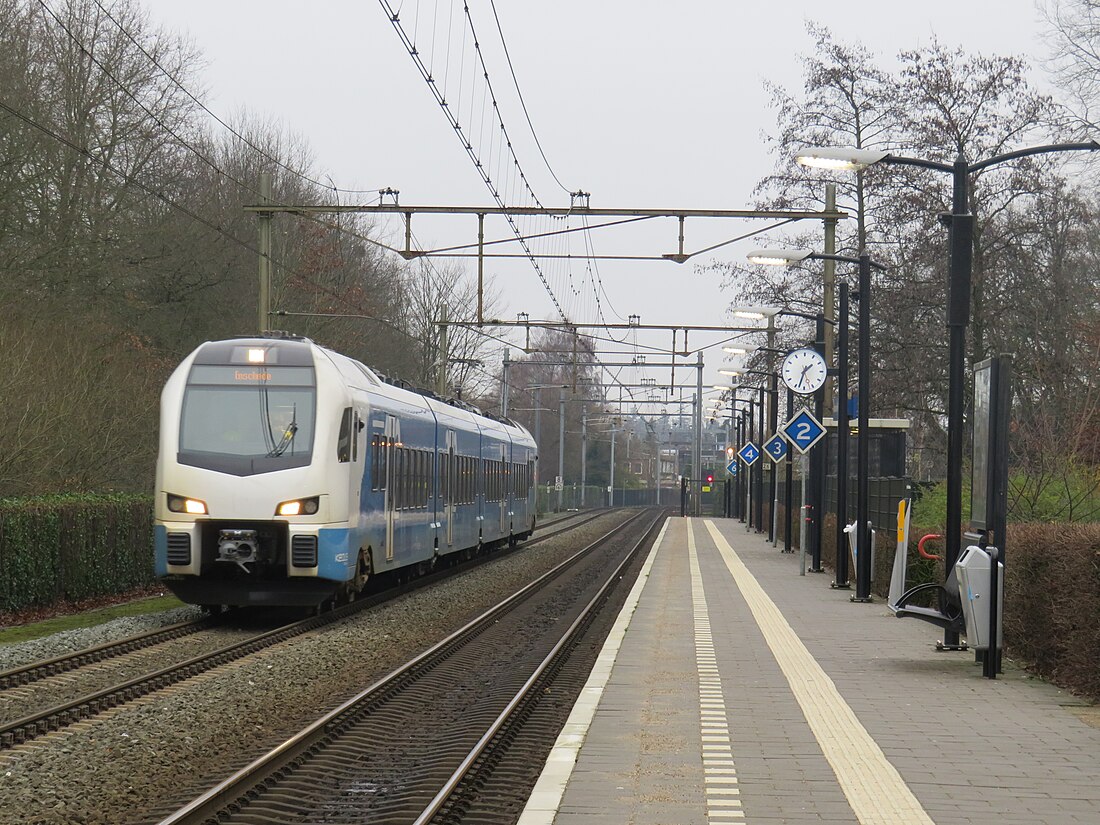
289 474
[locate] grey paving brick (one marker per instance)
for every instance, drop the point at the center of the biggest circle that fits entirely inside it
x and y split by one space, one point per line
971 750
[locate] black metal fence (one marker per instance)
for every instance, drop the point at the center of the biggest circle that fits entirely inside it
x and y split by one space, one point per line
883 495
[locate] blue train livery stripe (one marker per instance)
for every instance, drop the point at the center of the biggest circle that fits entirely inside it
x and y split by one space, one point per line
335 558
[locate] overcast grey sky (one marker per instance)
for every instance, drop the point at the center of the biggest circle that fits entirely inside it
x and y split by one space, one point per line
642 104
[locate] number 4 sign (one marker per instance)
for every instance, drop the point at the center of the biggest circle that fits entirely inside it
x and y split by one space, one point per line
803 430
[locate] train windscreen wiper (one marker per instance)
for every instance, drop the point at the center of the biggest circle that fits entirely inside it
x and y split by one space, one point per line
288 436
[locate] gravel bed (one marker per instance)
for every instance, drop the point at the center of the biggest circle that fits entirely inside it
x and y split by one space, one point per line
70 641
138 762
22 701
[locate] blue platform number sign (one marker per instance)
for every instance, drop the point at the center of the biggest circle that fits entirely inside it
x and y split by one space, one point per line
749 454
803 430
731 468
776 448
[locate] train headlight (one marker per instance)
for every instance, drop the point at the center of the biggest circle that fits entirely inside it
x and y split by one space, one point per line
299 507
182 504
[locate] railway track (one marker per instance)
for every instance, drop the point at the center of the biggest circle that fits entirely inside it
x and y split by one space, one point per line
45 668
15 684
414 745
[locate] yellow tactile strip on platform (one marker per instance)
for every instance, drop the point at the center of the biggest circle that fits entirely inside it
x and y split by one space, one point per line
874 788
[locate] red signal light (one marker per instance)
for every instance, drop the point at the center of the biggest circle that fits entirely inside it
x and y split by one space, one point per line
710 478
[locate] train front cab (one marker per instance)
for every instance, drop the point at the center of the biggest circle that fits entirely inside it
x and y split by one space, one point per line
259 458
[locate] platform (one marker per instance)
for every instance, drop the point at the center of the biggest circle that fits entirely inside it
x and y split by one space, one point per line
732 689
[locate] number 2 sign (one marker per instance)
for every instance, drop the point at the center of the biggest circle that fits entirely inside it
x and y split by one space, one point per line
803 430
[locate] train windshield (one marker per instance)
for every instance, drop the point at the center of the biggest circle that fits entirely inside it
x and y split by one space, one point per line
248 420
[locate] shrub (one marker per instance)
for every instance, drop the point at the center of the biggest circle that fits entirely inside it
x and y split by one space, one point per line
73 547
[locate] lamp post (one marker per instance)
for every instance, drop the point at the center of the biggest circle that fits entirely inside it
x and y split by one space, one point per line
960 225
784 257
813 467
773 426
745 434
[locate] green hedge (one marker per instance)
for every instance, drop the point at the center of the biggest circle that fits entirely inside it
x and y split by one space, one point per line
1052 595
1052 602
73 547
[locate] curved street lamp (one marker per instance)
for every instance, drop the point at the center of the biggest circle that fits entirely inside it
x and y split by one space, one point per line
960 224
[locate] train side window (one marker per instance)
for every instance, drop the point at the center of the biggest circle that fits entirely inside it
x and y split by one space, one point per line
422 499
397 461
355 427
402 477
424 476
375 461
407 478
343 440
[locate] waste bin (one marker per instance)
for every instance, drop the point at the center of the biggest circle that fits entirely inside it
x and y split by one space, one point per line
972 573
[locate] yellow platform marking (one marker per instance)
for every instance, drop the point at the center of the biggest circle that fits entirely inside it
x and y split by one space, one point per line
874 788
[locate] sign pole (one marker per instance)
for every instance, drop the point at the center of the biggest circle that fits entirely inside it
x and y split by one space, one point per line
842 444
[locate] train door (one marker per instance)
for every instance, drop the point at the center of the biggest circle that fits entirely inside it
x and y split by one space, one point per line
502 489
451 486
393 435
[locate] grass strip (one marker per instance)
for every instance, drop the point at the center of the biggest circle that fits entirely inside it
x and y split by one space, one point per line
89 618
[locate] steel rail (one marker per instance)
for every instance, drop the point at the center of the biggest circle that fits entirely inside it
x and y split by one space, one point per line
44 668
206 806
524 693
42 722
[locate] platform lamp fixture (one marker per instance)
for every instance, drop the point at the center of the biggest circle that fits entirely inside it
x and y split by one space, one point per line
790 257
960 226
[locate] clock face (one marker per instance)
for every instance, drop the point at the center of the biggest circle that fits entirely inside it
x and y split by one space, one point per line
804 371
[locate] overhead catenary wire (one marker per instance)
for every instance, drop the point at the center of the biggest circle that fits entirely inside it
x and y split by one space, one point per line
183 141
522 102
481 163
328 186
497 151
106 164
